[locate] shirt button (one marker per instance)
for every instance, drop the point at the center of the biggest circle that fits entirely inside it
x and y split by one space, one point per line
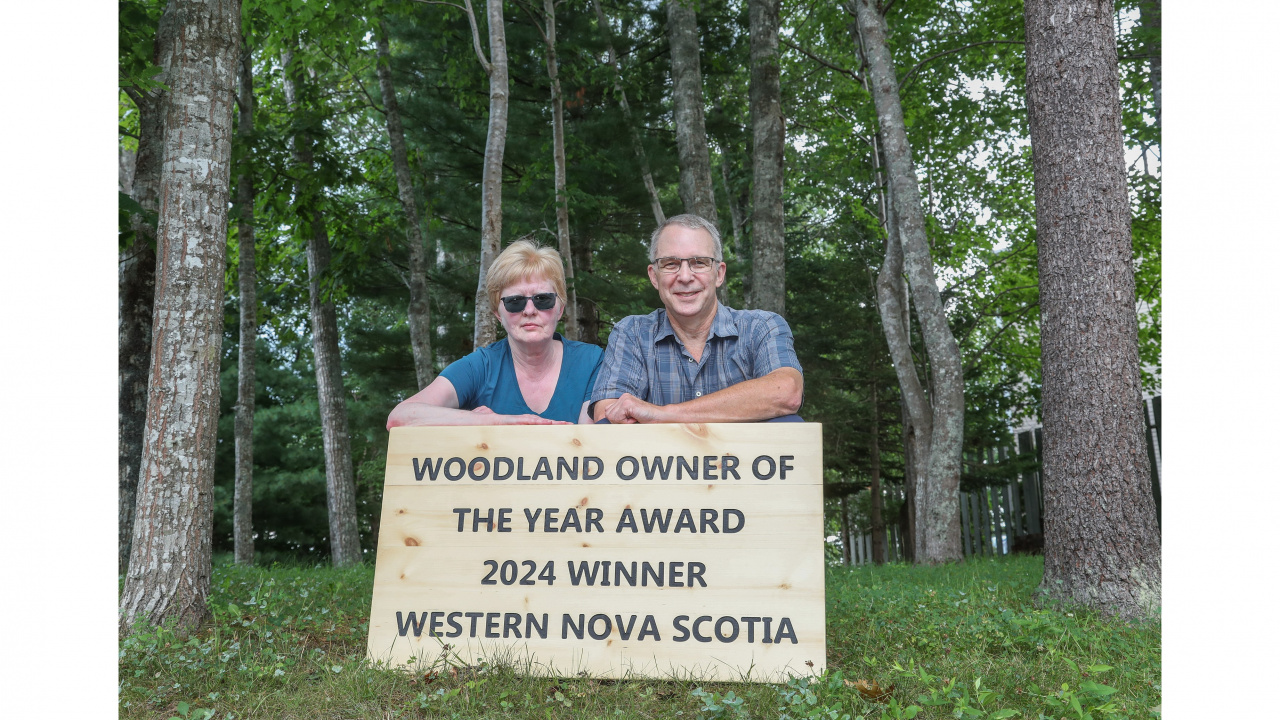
698 394
690 359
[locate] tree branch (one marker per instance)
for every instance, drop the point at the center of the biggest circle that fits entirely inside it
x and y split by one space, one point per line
529 11
475 30
821 61
903 81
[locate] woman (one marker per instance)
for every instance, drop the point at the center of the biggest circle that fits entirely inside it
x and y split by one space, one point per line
533 376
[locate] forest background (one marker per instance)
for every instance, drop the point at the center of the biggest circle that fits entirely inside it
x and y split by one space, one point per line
57 301
961 72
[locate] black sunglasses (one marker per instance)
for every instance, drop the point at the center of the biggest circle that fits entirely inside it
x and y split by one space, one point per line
541 301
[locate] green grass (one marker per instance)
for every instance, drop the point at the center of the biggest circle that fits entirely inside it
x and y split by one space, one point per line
964 641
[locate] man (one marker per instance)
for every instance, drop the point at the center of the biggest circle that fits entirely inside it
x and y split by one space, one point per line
696 360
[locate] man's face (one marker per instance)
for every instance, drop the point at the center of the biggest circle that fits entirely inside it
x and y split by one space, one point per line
685 293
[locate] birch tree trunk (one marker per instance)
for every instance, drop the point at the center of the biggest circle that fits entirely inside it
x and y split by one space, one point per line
340 487
171 556
938 446
696 191
562 194
1101 538
654 203
768 252
137 299
491 185
242 503
419 295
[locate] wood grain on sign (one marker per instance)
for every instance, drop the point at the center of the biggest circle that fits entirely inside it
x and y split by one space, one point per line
691 551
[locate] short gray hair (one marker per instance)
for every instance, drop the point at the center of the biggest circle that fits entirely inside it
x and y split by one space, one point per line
693 222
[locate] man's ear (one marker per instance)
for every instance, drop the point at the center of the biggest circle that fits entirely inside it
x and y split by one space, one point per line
653 277
722 271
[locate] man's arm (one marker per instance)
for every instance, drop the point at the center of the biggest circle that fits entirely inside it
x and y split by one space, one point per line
774 395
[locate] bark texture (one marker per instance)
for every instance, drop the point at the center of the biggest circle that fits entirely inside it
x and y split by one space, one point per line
646 176
937 447
696 191
1101 539
562 193
242 502
170 561
137 276
419 291
486 330
768 251
340 486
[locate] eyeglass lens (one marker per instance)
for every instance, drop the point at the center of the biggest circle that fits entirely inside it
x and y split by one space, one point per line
541 301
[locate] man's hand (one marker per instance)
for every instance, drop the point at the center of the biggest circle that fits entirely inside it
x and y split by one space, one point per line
631 409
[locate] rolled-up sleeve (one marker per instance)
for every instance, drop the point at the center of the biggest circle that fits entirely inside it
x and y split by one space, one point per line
774 347
623 368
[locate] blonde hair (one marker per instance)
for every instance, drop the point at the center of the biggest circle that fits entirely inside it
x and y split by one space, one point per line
525 260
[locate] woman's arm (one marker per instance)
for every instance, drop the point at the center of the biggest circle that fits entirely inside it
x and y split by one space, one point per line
437 404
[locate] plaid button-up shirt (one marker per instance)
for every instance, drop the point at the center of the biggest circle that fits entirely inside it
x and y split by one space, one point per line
646 359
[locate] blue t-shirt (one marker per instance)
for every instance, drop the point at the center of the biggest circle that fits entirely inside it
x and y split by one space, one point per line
488 377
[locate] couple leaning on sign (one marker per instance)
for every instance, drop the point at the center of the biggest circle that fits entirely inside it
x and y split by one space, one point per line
693 361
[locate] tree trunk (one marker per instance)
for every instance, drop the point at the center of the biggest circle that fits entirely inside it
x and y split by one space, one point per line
768 252
171 557
654 203
938 447
137 297
340 487
696 191
486 330
562 193
735 204
877 499
588 313
242 504
1101 540
845 541
419 294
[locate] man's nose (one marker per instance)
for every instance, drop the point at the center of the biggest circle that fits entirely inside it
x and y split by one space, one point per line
685 273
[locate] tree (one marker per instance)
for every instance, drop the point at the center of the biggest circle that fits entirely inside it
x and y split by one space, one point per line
137 274
495 145
419 295
658 216
768 284
344 538
245 385
1101 539
696 191
938 416
170 560
558 160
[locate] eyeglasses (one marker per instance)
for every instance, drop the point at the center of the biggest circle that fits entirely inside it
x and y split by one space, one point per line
672 265
541 301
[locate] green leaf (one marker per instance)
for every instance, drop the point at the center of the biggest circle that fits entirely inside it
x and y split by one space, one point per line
1099 668
1096 688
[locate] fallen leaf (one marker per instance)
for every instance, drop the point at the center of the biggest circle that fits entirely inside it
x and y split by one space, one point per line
871 690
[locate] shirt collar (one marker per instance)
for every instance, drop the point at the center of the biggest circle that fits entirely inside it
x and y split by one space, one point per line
724 324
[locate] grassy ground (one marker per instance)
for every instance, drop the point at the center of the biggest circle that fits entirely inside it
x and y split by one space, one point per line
963 641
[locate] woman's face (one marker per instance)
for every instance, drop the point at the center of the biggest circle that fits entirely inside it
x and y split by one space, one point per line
529 324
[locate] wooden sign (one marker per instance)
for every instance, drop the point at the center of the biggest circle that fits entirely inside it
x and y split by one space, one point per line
690 551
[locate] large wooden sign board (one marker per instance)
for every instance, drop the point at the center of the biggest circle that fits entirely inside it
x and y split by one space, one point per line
691 551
